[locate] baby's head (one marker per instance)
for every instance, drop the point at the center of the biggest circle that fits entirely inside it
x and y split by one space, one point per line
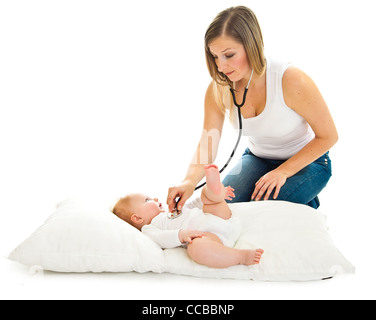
137 209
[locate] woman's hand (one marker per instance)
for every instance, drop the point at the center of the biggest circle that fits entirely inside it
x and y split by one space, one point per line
182 191
274 179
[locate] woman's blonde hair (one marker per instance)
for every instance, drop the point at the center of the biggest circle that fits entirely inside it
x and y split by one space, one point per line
239 23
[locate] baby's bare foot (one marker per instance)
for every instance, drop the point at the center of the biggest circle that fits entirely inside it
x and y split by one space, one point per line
252 257
213 179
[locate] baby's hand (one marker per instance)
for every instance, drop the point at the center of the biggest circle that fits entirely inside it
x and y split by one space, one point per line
189 235
229 193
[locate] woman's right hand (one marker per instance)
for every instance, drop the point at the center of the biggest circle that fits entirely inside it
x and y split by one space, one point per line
182 191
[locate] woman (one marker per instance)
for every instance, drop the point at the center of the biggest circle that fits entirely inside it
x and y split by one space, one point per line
285 118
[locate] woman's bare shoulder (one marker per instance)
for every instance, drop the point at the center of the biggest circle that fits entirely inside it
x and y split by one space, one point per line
298 88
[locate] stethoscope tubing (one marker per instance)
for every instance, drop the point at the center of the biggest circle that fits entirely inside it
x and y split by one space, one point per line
239 106
235 147
240 126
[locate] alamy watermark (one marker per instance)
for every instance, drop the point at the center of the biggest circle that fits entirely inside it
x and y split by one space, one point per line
206 152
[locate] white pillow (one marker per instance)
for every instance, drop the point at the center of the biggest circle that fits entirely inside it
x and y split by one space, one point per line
83 236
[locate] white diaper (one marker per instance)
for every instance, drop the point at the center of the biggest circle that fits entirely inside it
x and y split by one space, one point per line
227 230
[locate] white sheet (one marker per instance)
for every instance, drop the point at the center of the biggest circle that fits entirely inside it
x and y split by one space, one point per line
84 236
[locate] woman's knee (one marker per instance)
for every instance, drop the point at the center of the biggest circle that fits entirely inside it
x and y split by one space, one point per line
304 186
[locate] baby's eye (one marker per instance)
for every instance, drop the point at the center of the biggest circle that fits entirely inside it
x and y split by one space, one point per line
147 199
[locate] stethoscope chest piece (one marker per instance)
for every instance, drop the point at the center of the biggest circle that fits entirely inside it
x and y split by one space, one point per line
175 214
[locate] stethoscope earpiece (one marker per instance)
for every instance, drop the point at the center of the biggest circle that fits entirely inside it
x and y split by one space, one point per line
244 95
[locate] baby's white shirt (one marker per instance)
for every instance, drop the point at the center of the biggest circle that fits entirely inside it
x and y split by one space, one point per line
165 231
161 231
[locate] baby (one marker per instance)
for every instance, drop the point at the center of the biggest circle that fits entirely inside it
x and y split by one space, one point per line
209 236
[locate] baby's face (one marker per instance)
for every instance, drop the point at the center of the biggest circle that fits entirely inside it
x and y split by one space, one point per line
146 207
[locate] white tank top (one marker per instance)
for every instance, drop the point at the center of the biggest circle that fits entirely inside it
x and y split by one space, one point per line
278 132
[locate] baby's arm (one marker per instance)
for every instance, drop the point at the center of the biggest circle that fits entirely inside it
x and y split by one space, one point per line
164 238
188 235
167 239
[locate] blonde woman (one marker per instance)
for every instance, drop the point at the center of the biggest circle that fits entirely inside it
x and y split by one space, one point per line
286 120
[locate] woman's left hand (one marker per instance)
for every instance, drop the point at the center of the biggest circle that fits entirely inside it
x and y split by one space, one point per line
267 183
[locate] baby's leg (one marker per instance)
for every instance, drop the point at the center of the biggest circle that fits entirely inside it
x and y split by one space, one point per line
213 194
210 251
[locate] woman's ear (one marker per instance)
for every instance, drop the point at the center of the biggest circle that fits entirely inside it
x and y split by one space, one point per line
136 219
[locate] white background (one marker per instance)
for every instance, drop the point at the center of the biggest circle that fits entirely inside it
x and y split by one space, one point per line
104 97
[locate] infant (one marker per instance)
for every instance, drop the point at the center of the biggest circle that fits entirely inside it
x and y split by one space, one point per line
209 234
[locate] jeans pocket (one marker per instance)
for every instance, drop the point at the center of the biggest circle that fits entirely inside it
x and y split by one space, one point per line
325 161
246 152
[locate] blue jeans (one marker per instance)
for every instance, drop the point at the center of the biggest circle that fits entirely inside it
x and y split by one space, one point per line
302 188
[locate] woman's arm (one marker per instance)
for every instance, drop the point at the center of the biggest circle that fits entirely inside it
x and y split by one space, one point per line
207 148
301 95
205 153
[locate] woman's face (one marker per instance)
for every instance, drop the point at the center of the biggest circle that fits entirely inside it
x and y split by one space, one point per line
231 58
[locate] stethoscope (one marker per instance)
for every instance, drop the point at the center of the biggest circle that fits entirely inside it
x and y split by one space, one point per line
176 213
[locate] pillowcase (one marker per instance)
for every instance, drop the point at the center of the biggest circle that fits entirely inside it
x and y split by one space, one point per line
85 236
